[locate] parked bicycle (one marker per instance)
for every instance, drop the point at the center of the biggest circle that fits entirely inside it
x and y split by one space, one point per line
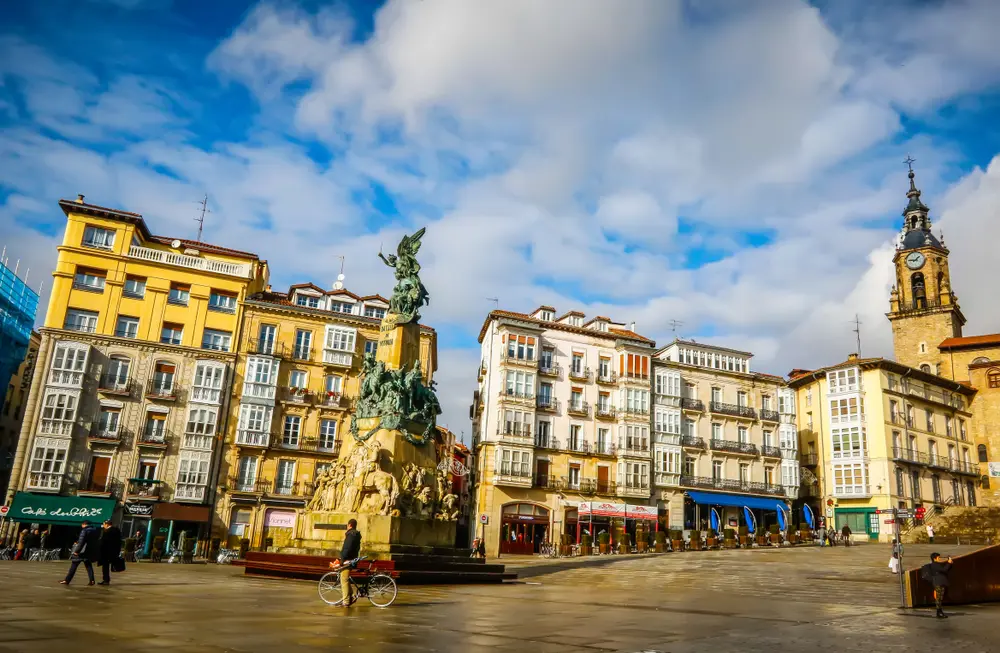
7 553
548 550
43 555
226 556
379 587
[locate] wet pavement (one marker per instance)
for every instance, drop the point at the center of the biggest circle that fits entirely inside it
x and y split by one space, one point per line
747 601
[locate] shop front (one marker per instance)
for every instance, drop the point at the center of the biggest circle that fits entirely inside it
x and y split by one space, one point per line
523 528
719 511
596 517
135 521
171 521
859 520
60 516
279 528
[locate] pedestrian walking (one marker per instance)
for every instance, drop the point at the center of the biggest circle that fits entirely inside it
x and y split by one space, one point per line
936 573
930 533
110 550
822 535
21 538
86 550
846 532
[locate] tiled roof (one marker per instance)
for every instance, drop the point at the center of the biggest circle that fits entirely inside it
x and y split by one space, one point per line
203 247
372 297
95 207
544 308
899 368
562 327
568 313
991 340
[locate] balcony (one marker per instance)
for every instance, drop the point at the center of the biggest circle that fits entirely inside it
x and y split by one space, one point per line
909 456
332 400
338 358
635 379
520 361
547 482
638 489
239 270
733 410
237 484
960 467
579 373
770 452
145 489
937 461
607 377
853 492
578 408
688 403
669 401
732 485
692 441
603 411
731 446
634 448
302 353
293 489
297 395
598 486
515 432
259 390
898 418
508 476
112 384
106 435
161 390
189 492
158 439
519 398
253 438
666 479
548 404
634 414
44 481
663 437
769 415
549 370
809 459
266 347
92 488
809 492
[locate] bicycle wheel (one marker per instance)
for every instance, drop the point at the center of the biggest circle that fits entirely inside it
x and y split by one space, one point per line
381 590
329 588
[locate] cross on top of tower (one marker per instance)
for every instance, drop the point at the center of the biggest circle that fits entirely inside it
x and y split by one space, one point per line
909 161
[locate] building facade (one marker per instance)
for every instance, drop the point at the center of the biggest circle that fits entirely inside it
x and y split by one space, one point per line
135 362
876 434
561 421
296 380
14 404
927 334
724 439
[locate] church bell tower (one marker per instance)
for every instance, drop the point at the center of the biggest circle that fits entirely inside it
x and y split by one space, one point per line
923 310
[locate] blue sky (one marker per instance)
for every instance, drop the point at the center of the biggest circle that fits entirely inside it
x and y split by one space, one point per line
734 166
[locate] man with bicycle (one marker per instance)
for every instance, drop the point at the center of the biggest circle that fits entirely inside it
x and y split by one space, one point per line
349 551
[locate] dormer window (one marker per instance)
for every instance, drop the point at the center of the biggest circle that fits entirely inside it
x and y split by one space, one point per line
546 316
575 320
307 301
341 307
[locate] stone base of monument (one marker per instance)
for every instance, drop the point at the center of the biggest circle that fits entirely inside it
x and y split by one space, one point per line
323 531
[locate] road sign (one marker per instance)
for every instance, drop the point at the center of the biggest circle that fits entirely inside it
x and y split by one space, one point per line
890 521
484 518
885 511
904 514
3 510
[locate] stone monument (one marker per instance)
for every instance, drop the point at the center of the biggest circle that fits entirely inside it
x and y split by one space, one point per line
387 475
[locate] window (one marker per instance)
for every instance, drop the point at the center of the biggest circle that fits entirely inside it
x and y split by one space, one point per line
255 418
85 279
265 339
634 476
547 360
134 287
845 410
207 385
192 475
290 432
77 320
717 395
521 347
604 368
261 371
546 316
924 367
108 420
603 441
716 431
576 399
48 462
667 421
307 301
668 383
689 466
993 378
634 366
544 430
155 428
297 379
179 294
520 384
769 475
58 412
787 438
790 473
515 422
849 479
936 488
690 391
68 363
285 481
744 473
689 426
970 492
900 486
576 364
765 402
767 439
200 429
333 384
371 347
221 301
375 311
742 434
848 442
741 399
163 378
635 400
843 380
668 461
981 451
930 420
247 474
98 238
574 476
515 463
341 307
635 438
717 470
328 435
127 327
216 340
172 334
340 339
961 429
575 437
303 344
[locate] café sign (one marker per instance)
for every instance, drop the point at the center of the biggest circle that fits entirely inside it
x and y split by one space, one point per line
46 509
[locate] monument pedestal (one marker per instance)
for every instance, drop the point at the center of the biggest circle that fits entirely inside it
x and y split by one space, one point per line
380 535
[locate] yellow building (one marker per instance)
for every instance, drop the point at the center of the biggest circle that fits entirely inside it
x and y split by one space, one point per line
561 427
137 353
927 334
875 434
297 377
14 404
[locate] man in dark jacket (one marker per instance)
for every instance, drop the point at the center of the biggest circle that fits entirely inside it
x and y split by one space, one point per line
349 551
939 569
86 550
111 548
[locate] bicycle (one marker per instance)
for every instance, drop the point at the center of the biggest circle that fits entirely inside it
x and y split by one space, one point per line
226 556
379 587
547 550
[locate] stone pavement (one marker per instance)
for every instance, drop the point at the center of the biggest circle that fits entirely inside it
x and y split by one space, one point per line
760 600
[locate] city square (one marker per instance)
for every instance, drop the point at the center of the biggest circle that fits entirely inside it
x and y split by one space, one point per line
829 599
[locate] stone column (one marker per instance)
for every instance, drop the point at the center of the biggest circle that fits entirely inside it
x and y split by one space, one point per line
27 423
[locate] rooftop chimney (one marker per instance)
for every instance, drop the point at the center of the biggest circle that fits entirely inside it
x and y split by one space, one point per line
852 357
631 326
79 199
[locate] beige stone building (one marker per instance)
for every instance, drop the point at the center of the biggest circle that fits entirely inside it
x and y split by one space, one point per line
14 404
927 325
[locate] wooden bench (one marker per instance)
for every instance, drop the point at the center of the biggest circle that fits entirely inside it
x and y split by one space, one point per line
313 567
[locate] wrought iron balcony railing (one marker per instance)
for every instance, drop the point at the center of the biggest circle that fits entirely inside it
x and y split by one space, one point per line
607 377
769 451
769 415
735 485
113 384
692 441
547 403
580 408
732 409
579 373
809 459
688 403
735 447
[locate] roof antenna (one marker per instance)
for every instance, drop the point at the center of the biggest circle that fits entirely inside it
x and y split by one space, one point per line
674 324
496 302
339 283
201 219
857 331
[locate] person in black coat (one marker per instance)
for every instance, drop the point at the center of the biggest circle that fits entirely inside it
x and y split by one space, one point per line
111 549
86 550
939 569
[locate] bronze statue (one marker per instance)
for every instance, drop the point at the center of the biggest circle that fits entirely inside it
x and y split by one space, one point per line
409 293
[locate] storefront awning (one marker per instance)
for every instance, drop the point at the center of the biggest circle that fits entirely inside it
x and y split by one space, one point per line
603 509
735 500
49 509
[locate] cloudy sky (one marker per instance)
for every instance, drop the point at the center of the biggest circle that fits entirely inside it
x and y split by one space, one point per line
735 166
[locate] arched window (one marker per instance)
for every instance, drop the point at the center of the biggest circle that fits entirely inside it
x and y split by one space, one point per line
919 294
925 368
981 359
982 453
993 378
116 374
940 281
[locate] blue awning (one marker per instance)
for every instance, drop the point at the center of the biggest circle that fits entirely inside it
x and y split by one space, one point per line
735 500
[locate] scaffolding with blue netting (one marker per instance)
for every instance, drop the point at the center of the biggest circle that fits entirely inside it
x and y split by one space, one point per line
18 304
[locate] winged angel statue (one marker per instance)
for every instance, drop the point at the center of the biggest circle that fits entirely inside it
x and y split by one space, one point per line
409 294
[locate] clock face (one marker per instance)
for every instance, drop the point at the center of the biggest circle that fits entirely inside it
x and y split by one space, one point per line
914 260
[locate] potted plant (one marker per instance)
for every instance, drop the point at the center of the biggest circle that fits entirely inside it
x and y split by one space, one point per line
696 541
676 540
641 538
775 534
624 544
586 545
744 535
805 535
604 542
661 542
712 539
729 540
761 538
793 537
565 544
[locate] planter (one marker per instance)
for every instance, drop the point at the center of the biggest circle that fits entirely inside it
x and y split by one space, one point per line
712 542
743 540
660 547
805 535
775 538
565 550
793 538
642 546
624 548
696 545
729 544
604 548
676 545
762 540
